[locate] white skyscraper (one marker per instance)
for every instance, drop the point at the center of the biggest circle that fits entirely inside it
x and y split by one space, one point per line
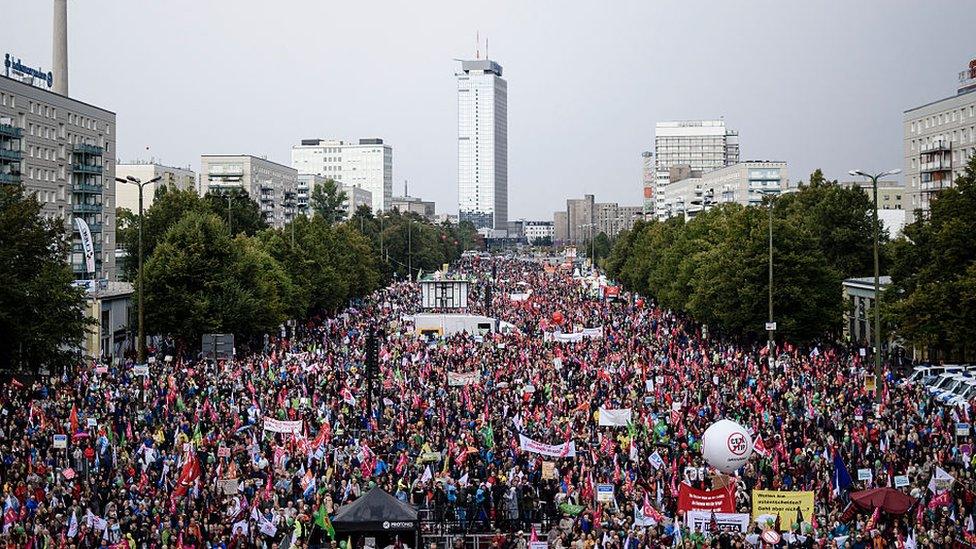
483 144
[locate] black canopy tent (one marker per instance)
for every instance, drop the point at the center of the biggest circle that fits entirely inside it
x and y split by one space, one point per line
377 514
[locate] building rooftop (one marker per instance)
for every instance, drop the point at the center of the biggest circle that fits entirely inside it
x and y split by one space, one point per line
42 90
485 65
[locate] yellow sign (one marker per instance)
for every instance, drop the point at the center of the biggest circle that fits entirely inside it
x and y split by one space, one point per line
869 383
784 504
548 470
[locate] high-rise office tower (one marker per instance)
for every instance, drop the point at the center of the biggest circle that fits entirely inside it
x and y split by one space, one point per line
483 144
697 145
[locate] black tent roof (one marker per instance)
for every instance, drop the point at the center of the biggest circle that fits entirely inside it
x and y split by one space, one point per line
376 509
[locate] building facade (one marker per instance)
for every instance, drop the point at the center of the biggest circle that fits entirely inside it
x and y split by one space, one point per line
560 226
859 297
423 208
127 196
648 176
482 144
535 230
586 218
744 183
268 183
892 195
61 149
612 218
702 145
355 197
367 164
110 305
939 140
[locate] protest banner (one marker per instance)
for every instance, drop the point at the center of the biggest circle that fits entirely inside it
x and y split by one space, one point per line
693 499
700 521
538 545
458 379
279 426
593 332
782 503
615 418
566 449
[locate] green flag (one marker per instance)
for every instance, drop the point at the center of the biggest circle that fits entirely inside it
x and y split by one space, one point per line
323 522
570 509
489 435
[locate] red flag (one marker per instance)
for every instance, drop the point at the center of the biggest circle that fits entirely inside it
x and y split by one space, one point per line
74 419
189 475
760 447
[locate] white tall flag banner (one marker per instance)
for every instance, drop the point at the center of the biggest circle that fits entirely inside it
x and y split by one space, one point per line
87 246
566 449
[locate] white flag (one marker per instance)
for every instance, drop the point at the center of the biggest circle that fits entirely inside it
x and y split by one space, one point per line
87 247
427 475
73 525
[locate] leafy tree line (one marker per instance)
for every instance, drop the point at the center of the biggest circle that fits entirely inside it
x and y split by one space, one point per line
213 265
932 298
714 267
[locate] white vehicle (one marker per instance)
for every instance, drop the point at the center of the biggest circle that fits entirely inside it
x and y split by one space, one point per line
948 390
963 394
940 383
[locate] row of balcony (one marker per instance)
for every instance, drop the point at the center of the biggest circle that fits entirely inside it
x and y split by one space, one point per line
9 130
87 188
87 168
84 148
12 178
9 154
86 208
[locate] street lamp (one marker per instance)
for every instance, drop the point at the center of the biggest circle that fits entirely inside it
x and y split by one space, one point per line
770 325
877 279
141 340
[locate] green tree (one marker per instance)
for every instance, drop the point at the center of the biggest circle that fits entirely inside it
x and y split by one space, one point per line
41 313
244 215
126 231
169 206
199 280
932 298
328 202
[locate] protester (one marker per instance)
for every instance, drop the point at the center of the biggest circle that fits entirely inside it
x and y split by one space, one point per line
261 450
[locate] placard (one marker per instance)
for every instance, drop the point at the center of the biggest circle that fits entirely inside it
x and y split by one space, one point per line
223 451
782 503
538 545
228 486
60 442
140 370
701 521
101 370
864 474
962 429
869 383
604 492
548 470
901 480
91 422
457 379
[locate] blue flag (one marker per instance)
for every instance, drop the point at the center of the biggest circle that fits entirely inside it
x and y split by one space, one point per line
842 479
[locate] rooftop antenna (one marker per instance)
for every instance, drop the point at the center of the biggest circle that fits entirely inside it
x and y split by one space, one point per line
405 193
477 44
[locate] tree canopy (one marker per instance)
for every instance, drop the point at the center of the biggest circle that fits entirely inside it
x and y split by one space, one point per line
328 202
41 313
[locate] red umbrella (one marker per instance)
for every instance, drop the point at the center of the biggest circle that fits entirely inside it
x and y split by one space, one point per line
889 500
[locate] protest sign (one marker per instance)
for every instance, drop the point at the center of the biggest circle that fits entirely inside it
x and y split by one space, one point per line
720 500
615 418
279 426
656 460
700 521
223 451
228 486
548 470
962 429
60 441
566 449
458 379
782 503
140 370
604 492
865 475
901 481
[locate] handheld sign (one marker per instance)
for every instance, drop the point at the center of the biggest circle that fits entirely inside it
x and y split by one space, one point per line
60 441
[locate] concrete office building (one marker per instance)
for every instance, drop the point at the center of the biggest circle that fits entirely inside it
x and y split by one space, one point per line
585 218
744 183
702 145
560 227
535 230
482 144
305 183
356 197
127 196
62 149
271 185
367 164
892 195
939 140
423 208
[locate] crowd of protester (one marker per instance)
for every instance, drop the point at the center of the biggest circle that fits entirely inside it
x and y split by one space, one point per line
179 456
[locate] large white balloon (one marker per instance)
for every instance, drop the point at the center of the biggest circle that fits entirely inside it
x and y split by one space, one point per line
726 445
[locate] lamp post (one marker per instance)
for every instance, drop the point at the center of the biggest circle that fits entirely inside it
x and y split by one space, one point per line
141 339
877 279
770 326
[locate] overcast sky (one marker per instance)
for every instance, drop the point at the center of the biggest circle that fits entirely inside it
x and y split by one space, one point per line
815 83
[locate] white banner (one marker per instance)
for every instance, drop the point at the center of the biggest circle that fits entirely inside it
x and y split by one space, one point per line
457 379
520 297
568 338
87 246
593 332
615 418
278 426
700 521
566 449
140 370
